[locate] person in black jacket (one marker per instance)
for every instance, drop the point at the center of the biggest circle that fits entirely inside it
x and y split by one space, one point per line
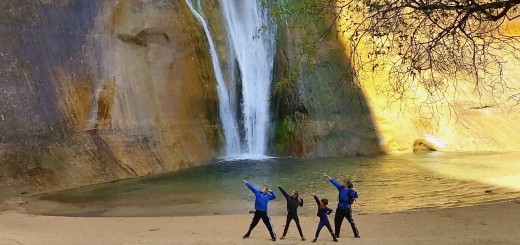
293 202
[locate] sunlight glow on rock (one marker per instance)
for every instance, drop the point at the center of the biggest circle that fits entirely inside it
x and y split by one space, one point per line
434 140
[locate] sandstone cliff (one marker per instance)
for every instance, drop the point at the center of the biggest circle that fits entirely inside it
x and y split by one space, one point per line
94 91
324 110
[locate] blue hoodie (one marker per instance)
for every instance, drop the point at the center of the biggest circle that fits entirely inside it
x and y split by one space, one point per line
261 199
344 194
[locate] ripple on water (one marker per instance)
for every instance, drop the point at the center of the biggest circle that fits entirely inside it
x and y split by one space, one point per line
385 184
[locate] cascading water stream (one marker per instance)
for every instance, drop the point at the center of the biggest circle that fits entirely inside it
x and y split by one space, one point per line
228 120
93 116
254 54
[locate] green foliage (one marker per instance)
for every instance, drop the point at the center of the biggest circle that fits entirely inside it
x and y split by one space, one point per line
282 88
286 9
284 135
307 19
305 27
302 30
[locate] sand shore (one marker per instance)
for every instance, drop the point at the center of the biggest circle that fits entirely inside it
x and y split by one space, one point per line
497 223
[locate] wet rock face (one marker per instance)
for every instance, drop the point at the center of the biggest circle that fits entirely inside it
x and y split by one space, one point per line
92 91
38 38
321 111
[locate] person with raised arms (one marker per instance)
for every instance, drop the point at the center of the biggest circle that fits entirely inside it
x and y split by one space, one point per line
346 194
293 202
262 198
323 211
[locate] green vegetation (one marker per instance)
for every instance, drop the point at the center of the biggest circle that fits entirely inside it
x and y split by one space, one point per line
284 134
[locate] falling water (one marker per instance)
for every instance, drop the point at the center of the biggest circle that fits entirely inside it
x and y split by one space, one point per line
253 51
227 117
93 116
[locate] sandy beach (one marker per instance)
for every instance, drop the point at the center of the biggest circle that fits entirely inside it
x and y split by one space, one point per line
497 223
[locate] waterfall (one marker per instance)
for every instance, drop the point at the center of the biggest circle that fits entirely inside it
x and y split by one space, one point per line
252 48
93 116
227 115
254 53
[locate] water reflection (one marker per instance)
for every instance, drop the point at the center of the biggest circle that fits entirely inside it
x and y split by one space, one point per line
385 184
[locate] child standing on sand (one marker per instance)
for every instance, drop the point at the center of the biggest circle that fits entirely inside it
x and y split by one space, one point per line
262 197
293 202
323 211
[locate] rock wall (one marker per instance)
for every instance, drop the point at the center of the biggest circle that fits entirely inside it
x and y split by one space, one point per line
320 110
101 90
323 110
467 117
94 91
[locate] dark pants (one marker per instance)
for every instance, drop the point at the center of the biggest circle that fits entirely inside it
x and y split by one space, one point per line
267 221
338 219
291 216
326 223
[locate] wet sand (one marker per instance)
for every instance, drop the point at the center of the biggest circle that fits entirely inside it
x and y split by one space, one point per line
497 223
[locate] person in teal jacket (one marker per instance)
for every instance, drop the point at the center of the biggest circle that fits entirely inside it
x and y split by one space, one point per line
344 209
262 198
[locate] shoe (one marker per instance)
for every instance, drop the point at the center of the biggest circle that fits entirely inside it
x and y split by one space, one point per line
303 238
273 239
314 240
283 237
245 236
357 236
335 239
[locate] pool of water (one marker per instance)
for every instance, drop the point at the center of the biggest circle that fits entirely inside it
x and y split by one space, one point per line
385 184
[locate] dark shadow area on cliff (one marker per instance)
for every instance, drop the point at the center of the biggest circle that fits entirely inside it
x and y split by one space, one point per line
40 41
37 37
318 108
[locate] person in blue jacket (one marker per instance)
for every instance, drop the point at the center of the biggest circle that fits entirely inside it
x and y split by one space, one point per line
323 211
262 198
344 209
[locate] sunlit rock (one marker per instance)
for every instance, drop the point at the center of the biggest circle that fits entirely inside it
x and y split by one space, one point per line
423 145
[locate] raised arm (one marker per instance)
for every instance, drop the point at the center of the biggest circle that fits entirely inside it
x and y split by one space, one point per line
252 188
333 181
327 176
283 192
316 199
336 183
301 202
